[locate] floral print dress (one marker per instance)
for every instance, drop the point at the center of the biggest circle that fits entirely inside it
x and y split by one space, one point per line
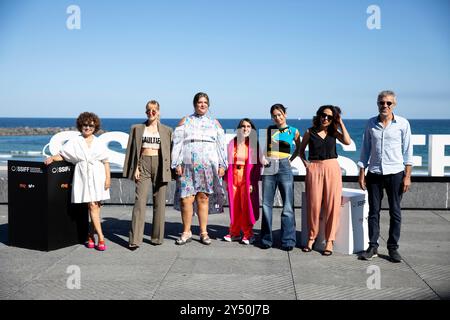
199 147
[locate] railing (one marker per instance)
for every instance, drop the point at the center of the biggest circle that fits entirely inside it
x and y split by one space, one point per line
437 160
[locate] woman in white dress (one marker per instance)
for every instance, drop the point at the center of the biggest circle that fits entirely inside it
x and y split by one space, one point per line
91 179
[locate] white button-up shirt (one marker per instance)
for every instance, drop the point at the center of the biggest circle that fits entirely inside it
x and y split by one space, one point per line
386 150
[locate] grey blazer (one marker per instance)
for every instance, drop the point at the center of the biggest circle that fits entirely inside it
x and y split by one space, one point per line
134 151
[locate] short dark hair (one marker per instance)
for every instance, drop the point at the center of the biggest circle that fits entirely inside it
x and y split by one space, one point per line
200 95
333 127
88 117
279 107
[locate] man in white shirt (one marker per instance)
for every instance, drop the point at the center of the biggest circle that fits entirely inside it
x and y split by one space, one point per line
387 152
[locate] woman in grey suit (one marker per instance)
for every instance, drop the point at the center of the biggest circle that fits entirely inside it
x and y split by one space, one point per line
147 162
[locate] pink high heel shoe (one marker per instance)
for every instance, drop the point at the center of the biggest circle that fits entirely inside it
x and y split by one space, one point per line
101 246
90 242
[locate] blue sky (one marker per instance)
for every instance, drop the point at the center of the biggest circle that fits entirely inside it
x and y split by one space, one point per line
246 54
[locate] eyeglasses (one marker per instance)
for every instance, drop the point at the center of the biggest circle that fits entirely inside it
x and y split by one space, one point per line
87 125
382 103
150 112
326 116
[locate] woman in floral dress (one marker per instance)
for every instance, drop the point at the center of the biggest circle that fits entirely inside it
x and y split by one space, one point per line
199 158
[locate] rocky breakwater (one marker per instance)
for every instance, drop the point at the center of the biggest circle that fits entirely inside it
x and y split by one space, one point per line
28 131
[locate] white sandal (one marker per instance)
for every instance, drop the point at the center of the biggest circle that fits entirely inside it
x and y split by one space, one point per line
184 238
205 239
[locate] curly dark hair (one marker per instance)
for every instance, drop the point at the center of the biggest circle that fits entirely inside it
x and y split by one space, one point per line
333 127
88 117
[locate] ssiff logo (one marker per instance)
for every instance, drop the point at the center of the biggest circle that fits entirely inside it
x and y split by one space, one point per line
61 169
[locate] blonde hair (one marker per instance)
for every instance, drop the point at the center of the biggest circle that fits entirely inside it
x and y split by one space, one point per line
156 103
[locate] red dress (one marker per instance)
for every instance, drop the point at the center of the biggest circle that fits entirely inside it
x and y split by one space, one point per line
244 171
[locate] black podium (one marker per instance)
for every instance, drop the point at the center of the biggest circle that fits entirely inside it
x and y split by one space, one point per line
40 213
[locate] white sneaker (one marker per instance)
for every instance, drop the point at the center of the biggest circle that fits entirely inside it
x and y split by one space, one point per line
230 238
248 241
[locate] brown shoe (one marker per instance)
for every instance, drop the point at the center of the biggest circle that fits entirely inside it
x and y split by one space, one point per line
132 247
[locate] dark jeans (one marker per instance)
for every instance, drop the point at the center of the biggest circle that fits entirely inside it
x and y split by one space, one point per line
393 184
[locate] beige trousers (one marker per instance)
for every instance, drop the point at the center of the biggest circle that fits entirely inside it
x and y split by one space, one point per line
323 192
149 171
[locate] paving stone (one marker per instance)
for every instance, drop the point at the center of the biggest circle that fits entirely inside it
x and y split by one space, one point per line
228 270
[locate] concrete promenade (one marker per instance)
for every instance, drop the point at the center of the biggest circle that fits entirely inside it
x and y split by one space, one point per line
229 270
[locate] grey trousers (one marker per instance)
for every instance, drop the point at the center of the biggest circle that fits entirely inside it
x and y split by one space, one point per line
148 167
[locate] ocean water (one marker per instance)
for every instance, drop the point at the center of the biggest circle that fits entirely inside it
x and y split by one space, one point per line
31 147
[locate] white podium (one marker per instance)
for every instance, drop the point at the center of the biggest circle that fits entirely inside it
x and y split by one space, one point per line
352 235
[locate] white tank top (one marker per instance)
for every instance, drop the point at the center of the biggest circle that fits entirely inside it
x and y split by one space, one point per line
151 140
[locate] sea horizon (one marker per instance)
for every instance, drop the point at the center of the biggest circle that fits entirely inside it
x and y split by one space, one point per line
226 118
31 147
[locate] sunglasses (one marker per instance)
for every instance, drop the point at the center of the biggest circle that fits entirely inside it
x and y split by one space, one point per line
326 116
89 125
382 103
150 112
